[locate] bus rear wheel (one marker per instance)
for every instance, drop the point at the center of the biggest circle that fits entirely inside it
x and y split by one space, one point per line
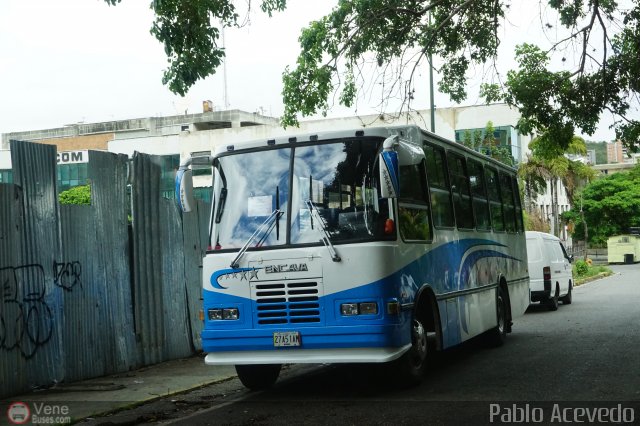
497 335
410 367
258 376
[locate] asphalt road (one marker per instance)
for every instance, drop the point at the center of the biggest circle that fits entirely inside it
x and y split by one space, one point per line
582 360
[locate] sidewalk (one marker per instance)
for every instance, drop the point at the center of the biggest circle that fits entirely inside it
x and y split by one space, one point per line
105 394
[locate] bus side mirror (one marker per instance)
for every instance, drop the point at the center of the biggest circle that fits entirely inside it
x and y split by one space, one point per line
389 175
184 189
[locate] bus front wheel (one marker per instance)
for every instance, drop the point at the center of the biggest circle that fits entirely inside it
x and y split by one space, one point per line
258 376
411 366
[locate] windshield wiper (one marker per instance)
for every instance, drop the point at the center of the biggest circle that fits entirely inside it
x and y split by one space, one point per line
326 238
267 225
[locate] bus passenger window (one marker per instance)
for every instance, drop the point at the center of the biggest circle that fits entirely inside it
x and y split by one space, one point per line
413 207
441 208
479 194
460 189
508 203
495 202
519 220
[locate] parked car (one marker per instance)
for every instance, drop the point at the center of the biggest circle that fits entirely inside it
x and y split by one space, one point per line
550 271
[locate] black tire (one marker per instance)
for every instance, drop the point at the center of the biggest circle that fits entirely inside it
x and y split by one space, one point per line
258 376
552 302
498 335
568 298
410 368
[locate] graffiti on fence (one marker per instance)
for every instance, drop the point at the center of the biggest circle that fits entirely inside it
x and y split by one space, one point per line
26 320
67 274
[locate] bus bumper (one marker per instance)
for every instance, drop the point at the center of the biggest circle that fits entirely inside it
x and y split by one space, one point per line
307 356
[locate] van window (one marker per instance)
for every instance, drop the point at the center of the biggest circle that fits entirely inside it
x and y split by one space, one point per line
534 252
552 249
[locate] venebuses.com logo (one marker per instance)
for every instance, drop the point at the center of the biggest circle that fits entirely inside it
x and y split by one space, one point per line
18 413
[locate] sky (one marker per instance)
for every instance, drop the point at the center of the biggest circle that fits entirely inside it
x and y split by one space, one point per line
69 61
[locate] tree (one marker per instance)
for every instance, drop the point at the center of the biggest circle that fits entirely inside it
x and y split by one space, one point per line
77 195
189 31
548 162
610 205
486 143
465 33
396 36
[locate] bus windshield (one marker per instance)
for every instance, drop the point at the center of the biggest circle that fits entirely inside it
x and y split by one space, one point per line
339 178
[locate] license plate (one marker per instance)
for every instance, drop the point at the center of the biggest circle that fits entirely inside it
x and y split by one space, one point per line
286 338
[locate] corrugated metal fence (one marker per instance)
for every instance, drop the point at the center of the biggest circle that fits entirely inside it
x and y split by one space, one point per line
85 291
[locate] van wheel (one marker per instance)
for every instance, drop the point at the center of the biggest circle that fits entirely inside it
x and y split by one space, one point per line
566 300
410 367
258 376
552 302
497 336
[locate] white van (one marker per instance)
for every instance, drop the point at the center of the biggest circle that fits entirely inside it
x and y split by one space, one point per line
550 272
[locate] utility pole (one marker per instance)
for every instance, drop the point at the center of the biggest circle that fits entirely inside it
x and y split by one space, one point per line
432 106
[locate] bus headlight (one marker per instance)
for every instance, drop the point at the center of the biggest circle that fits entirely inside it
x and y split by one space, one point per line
363 308
223 314
230 314
349 309
214 314
368 308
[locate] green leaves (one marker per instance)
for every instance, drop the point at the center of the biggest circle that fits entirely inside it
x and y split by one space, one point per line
611 205
393 34
190 41
80 195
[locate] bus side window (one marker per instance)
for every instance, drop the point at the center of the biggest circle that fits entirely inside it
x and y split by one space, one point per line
519 220
479 194
508 203
439 188
460 190
414 223
495 202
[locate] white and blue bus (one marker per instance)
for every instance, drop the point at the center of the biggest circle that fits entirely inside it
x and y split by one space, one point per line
367 246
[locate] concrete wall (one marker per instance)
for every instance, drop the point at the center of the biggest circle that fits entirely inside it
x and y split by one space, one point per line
76 143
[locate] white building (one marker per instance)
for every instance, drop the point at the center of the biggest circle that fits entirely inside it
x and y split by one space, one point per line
183 135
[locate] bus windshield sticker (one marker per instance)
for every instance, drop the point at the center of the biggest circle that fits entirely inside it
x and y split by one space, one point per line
260 206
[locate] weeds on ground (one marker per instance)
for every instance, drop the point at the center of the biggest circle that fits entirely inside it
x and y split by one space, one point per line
584 269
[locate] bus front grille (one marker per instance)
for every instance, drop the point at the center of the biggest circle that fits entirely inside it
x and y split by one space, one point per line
287 302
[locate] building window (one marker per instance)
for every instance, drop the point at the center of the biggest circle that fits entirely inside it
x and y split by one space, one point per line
200 170
71 175
6 176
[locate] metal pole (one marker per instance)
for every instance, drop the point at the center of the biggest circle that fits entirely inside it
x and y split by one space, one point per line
432 103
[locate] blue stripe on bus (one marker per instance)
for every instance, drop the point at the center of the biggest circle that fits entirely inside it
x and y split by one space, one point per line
442 268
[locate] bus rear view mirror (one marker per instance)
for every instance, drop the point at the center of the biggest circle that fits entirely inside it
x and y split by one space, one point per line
389 176
184 190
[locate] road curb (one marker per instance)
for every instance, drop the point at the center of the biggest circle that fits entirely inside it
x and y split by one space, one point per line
594 278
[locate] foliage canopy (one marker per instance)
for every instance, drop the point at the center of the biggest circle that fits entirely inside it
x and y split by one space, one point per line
611 205
79 195
602 39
